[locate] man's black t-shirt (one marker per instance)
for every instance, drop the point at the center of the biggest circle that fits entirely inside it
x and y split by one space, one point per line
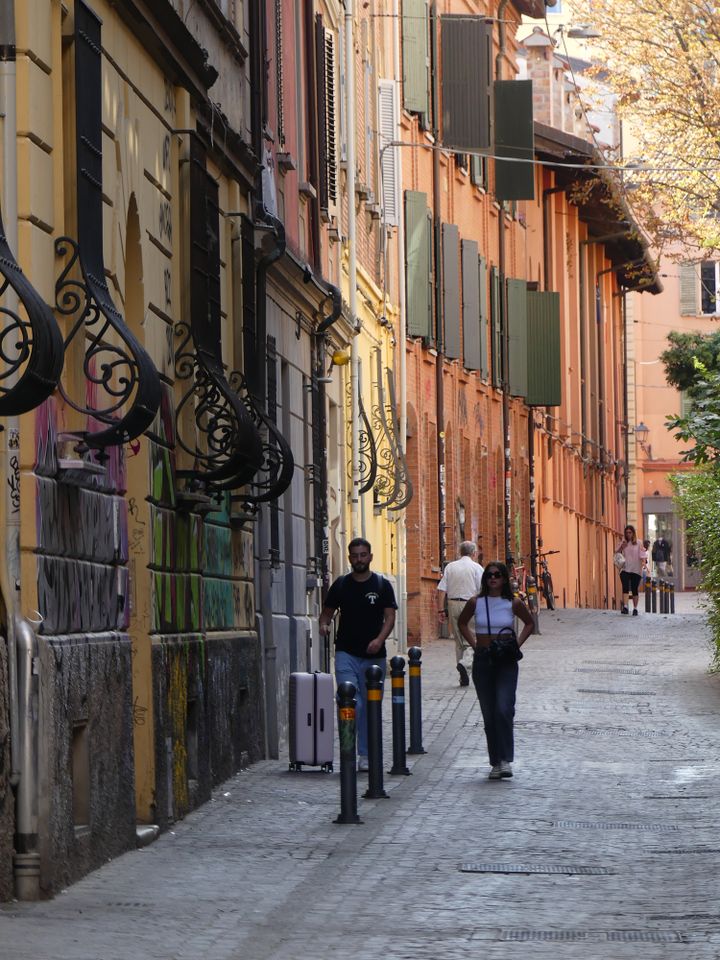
362 604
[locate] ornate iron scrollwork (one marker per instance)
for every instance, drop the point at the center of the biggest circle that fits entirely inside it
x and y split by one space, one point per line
275 473
31 347
393 488
368 458
214 425
122 387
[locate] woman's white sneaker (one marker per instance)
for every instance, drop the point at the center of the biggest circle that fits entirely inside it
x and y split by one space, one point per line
495 773
505 769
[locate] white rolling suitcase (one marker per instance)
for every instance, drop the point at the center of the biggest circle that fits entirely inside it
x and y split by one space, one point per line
312 723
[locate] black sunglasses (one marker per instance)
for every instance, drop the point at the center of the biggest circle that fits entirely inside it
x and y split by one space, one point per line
494 575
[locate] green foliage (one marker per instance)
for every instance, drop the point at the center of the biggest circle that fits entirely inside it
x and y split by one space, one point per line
701 426
698 494
687 355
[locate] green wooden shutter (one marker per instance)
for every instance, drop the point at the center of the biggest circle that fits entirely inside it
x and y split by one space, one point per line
483 303
496 322
466 81
471 305
415 56
517 336
543 349
451 290
688 289
418 264
514 138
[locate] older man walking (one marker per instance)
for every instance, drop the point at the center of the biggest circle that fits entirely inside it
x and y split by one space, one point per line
461 580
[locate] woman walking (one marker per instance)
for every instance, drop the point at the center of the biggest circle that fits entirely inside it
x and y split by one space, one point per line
635 559
495 677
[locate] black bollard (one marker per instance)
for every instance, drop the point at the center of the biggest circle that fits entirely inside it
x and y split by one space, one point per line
663 597
374 686
348 761
653 598
415 685
397 679
646 590
671 586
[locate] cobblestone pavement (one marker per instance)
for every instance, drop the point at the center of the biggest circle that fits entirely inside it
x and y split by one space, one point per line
604 846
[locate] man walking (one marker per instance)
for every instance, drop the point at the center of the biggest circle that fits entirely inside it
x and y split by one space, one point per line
460 581
367 607
661 555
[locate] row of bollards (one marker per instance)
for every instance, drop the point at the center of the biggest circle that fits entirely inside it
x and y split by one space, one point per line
659 595
346 700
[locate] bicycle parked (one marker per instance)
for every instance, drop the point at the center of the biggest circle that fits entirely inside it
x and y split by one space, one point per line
546 579
524 587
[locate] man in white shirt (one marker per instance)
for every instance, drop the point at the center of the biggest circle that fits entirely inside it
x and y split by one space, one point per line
461 580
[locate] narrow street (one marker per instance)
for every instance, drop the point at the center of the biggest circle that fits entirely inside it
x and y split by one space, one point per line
604 845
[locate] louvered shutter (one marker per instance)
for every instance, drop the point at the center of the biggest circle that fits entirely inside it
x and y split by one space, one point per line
483 311
543 326
688 289
471 305
466 82
496 321
418 264
451 290
330 116
415 56
389 166
517 337
321 111
514 138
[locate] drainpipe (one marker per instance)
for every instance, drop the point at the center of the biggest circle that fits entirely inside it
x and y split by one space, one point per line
437 217
402 343
352 271
22 642
507 510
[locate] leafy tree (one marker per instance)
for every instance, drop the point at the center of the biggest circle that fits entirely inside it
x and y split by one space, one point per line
681 358
662 60
692 364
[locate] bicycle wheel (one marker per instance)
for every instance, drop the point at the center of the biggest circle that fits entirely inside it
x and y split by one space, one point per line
548 590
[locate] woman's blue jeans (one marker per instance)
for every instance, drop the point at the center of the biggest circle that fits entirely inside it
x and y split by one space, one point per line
348 667
496 687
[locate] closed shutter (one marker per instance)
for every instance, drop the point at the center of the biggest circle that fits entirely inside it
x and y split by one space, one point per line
514 138
389 167
451 290
471 305
321 112
517 336
466 82
496 325
688 289
418 240
415 56
483 303
330 116
543 349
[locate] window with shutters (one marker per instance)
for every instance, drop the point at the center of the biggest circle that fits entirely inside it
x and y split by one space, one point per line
478 171
389 165
483 314
496 326
517 337
331 115
451 291
327 139
470 305
543 349
418 258
514 139
467 66
279 84
415 56
700 288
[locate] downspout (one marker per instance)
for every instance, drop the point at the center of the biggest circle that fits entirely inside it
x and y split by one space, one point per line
507 509
437 248
352 272
22 642
402 345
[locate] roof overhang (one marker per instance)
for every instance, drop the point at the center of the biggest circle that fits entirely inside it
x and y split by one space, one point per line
601 205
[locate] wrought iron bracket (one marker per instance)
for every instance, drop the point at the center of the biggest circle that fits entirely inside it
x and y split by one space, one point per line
31 347
393 488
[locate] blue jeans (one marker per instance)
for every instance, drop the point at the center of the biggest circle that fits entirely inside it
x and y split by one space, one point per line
348 667
496 687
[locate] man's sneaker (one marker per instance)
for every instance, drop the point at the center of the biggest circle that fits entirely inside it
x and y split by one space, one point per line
464 678
495 773
624 610
635 613
505 769
363 765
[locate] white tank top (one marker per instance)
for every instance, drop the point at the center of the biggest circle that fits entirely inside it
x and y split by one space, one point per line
501 615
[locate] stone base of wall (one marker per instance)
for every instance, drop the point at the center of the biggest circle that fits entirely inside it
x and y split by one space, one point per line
87 796
7 800
208 712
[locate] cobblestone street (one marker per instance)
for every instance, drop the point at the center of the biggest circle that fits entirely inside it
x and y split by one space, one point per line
604 845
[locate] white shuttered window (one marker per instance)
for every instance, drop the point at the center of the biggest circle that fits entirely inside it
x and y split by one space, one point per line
389 167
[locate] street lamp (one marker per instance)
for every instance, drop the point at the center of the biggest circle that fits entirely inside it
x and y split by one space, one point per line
642 431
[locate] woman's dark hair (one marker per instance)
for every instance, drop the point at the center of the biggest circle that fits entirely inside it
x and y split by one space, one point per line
629 526
507 593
